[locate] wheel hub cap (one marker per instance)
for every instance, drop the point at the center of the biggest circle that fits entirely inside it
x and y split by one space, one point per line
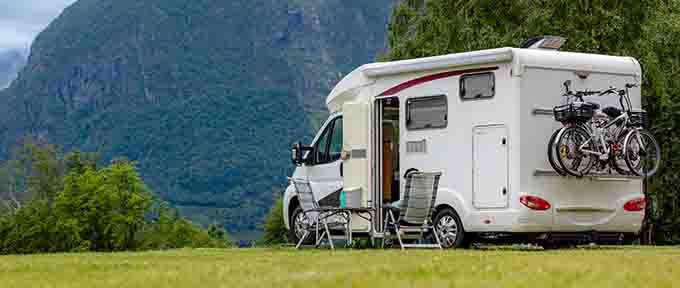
448 231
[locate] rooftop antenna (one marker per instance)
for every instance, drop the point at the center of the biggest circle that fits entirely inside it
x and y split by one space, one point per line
546 42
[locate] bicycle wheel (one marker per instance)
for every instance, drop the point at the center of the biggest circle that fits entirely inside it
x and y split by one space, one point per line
552 155
642 153
570 153
616 158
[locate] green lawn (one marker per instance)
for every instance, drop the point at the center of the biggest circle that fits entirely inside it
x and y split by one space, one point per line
613 267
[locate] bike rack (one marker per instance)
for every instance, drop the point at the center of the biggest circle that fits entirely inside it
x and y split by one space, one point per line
591 176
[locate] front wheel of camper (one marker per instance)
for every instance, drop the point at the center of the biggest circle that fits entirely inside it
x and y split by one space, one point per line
297 225
449 228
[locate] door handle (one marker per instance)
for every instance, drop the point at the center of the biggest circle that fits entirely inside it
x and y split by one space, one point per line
505 191
341 169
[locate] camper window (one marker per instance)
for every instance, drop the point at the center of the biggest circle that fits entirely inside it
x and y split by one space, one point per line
321 147
477 86
329 146
336 141
426 112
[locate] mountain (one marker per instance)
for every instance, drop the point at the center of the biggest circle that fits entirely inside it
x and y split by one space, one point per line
11 61
206 95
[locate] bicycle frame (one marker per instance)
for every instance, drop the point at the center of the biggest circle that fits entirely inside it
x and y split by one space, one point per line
599 132
623 119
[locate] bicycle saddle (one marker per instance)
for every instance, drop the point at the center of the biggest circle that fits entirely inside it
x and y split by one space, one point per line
612 112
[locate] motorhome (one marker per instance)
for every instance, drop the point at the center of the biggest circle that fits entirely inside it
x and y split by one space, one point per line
483 119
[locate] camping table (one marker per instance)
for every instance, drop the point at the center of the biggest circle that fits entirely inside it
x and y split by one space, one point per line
363 212
347 212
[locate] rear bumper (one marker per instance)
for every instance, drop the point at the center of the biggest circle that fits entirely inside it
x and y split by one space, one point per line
603 238
529 221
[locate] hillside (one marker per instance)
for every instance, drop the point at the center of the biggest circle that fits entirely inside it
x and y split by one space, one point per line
206 95
11 61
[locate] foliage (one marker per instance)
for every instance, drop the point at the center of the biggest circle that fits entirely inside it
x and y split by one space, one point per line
95 209
275 231
205 96
168 230
645 29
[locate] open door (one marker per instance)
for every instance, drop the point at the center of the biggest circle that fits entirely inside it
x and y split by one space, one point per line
355 154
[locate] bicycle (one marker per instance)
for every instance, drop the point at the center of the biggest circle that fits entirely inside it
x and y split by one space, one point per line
604 137
575 113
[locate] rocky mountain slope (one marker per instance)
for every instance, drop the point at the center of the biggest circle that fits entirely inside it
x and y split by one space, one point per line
11 61
205 95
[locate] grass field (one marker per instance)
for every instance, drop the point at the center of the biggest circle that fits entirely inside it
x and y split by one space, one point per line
610 267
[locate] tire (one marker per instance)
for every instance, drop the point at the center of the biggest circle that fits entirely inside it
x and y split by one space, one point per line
564 141
617 160
552 153
294 233
634 158
449 229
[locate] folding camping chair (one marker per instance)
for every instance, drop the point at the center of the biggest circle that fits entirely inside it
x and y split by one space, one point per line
414 212
317 217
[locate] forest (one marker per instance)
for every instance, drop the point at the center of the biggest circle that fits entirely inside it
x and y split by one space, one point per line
648 30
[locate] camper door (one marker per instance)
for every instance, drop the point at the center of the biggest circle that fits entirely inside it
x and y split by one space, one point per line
355 154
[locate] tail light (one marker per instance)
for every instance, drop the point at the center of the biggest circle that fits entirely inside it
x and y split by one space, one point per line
534 203
635 205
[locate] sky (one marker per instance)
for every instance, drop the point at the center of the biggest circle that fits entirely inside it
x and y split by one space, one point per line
22 20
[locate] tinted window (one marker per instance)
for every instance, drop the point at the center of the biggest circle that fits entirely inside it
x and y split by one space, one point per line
426 112
336 141
321 147
477 86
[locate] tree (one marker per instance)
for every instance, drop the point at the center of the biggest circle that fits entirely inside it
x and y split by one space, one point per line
104 207
274 228
644 29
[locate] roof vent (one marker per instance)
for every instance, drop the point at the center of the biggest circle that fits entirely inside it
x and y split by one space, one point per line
544 42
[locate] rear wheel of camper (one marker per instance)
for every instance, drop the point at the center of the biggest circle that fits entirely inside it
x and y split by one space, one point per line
296 228
449 228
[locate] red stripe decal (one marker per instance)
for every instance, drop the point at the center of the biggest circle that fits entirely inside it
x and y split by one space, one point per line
428 78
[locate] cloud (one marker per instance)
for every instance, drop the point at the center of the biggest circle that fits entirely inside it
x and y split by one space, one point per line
22 20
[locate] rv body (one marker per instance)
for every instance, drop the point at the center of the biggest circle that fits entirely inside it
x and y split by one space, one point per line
483 119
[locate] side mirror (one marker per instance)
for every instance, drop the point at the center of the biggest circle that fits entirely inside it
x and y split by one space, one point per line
298 152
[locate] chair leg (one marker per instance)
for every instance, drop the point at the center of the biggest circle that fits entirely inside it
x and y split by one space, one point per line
401 243
328 233
316 227
319 238
396 229
304 236
349 228
436 237
386 232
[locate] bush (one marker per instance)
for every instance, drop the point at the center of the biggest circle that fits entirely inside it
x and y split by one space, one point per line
275 231
93 209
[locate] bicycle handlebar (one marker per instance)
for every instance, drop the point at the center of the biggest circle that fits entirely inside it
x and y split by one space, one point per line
611 90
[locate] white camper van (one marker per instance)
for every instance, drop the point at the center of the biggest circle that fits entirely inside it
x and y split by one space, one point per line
483 119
